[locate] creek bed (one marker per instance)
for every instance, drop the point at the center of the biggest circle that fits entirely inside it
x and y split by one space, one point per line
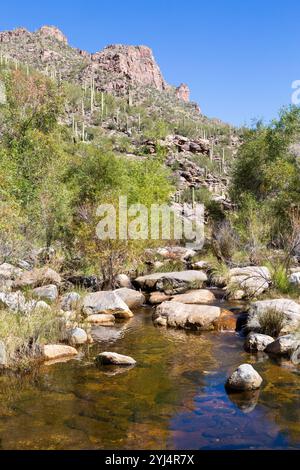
173 399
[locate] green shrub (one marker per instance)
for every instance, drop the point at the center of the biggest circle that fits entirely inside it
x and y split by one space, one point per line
271 323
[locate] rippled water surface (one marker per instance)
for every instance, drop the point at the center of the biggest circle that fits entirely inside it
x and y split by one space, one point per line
173 399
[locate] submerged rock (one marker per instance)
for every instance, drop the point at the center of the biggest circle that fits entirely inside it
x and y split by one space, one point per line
106 302
179 315
131 297
284 345
287 307
172 283
244 377
257 342
46 292
57 351
109 358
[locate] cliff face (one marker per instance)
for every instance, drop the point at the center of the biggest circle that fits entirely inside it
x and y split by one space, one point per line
115 69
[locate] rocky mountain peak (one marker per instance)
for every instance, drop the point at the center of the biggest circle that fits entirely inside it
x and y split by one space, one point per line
53 32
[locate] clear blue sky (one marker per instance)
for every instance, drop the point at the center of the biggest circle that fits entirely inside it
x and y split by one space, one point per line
238 57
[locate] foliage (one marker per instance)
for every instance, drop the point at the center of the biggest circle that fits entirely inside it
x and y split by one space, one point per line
271 322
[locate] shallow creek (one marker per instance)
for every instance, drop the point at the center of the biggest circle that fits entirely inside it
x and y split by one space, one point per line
173 399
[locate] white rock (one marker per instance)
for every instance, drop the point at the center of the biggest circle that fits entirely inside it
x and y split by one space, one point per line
199 296
106 302
284 345
245 377
70 301
46 292
122 280
253 280
77 336
257 342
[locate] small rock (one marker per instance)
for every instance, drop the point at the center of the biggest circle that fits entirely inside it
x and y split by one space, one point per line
41 305
257 342
158 298
122 280
77 336
244 377
283 346
56 351
295 357
107 358
104 319
70 301
46 292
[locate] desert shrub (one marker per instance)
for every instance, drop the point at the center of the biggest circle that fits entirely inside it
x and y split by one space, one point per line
224 241
271 322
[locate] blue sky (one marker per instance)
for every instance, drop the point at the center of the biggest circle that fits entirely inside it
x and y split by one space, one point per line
238 57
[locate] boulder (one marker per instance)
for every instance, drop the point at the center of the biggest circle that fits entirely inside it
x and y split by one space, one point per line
111 358
3 355
106 302
284 345
8 271
77 336
38 277
14 301
179 253
244 378
41 305
179 315
101 319
70 301
57 351
122 280
173 282
289 308
257 342
199 296
158 297
252 280
131 297
46 293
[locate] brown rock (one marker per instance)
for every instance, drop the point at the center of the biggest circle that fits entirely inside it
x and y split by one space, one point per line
37 278
56 351
183 92
199 296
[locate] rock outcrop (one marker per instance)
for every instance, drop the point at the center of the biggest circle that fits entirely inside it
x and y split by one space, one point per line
183 92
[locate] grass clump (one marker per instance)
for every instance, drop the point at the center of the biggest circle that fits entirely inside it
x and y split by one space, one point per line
271 323
24 335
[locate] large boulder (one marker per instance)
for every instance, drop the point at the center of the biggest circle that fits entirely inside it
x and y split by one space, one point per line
289 309
284 345
70 301
245 377
38 277
257 342
199 296
131 297
111 358
106 302
251 280
46 293
179 315
172 283
57 351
